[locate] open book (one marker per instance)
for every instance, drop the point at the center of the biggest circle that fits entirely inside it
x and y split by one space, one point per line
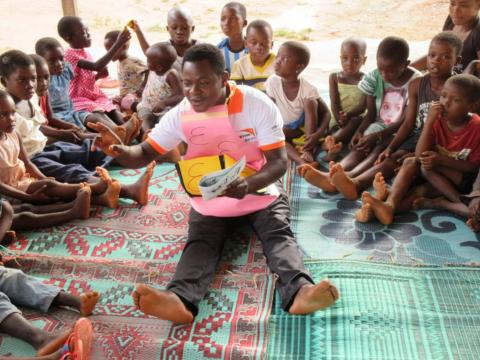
214 184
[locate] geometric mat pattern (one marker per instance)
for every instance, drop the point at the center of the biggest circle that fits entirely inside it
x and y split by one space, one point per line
115 249
385 312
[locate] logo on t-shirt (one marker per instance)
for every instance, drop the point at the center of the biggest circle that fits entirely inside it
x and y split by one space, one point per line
248 135
392 105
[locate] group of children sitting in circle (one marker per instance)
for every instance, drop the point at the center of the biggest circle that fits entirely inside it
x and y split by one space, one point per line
423 127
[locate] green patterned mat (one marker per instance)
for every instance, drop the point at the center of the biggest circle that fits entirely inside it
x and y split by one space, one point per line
385 312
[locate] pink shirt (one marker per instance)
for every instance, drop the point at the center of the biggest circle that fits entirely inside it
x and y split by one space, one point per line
84 92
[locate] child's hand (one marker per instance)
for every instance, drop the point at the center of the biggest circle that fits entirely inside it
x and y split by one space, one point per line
434 111
343 118
238 189
159 107
429 159
124 36
366 143
133 24
383 155
353 143
38 197
102 74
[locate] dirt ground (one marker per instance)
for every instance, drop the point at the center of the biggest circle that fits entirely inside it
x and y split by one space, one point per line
321 23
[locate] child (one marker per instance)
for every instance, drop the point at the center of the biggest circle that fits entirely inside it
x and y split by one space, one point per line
386 90
84 92
163 89
55 129
254 68
296 99
233 19
347 101
463 20
447 155
443 54
20 179
132 73
258 135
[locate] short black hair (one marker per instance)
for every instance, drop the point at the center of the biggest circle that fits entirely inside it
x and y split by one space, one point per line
469 84
206 52
259 24
300 50
46 44
38 60
450 38
13 59
360 44
394 48
167 52
242 10
65 26
112 35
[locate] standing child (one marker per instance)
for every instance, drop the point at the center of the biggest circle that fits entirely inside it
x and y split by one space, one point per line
447 156
463 20
297 100
84 92
132 73
163 89
443 54
347 101
386 90
254 68
233 19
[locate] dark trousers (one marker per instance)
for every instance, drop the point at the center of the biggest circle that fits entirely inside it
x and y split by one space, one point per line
206 237
70 163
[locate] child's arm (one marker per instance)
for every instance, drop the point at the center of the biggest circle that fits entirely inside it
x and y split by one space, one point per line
420 64
173 79
314 129
367 120
55 122
334 97
29 166
140 36
68 135
105 59
425 142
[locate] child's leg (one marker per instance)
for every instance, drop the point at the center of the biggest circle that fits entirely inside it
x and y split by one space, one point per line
352 159
345 133
54 189
80 209
98 117
84 303
292 152
116 117
458 208
42 209
6 216
445 181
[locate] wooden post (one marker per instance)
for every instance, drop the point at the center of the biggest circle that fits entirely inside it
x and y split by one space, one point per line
70 7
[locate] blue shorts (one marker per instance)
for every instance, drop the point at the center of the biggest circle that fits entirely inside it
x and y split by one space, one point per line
294 125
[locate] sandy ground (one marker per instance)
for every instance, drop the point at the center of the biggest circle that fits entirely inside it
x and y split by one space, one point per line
322 24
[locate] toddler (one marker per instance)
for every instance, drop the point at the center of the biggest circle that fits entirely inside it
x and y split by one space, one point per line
254 68
233 19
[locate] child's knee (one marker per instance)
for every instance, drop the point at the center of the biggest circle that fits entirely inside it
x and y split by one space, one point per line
7 210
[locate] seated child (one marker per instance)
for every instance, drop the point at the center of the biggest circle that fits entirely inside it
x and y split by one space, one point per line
386 90
443 54
233 19
21 289
297 100
61 74
254 68
347 101
132 73
447 156
21 179
463 20
163 89
84 92
55 129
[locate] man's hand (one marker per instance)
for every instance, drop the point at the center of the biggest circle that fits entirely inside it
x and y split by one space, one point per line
238 189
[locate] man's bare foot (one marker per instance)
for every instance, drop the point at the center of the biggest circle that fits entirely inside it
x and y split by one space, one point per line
139 190
110 196
365 214
163 304
316 178
343 183
383 211
380 187
52 343
88 301
81 205
311 298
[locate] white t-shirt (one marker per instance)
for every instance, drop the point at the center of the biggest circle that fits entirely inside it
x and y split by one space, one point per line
28 126
290 110
259 122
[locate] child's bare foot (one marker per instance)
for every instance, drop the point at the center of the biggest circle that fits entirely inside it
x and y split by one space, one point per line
311 298
307 156
107 136
88 302
343 183
334 151
132 128
316 178
139 190
52 343
103 174
163 304
329 142
81 205
110 196
9 237
365 214
380 187
383 211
